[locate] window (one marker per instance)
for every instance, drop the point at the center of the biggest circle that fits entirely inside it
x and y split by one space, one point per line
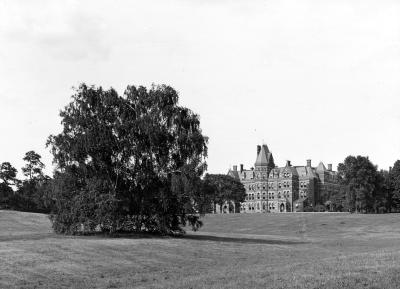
258 206
258 196
263 195
279 195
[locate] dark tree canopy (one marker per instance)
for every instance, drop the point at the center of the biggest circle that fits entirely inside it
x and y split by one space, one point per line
394 185
127 162
362 181
8 178
224 188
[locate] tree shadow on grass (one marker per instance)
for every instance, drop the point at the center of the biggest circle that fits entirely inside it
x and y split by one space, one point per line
241 240
195 237
27 237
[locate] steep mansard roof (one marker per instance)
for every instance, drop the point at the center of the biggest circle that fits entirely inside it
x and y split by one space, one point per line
263 156
321 167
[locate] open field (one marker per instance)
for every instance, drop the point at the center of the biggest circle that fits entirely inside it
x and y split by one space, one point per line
302 250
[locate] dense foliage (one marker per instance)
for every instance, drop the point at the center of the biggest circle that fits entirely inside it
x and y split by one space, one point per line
224 189
361 179
130 162
364 188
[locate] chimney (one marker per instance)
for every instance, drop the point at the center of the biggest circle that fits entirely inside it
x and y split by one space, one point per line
234 168
241 167
258 149
288 164
330 167
309 163
390 169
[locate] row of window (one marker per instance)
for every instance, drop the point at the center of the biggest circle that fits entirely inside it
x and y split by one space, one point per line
253 187
275 174
271 195
252 207
270 207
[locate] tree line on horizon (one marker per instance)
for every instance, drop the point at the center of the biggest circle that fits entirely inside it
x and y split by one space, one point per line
137 163
365 189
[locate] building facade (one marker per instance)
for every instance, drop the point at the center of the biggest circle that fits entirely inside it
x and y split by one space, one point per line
284 189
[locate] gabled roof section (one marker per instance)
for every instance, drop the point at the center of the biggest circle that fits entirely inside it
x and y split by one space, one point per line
263 156
292 170
321 167
233 174
304 171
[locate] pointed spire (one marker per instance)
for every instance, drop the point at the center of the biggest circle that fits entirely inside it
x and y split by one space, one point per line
321 167
263 155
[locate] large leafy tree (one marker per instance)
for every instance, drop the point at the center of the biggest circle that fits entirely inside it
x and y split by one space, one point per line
224 188
127 162
361 179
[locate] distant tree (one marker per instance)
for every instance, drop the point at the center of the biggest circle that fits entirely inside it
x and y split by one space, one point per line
34 166
224 188
394 183
127 163
8 178
8 174
6 193
383 198
361 179
32 192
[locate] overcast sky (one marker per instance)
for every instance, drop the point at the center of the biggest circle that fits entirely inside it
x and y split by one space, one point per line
312 79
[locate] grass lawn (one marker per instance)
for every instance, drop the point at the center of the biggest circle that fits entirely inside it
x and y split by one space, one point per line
303 250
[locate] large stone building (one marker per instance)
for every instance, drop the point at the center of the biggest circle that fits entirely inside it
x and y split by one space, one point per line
284 189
